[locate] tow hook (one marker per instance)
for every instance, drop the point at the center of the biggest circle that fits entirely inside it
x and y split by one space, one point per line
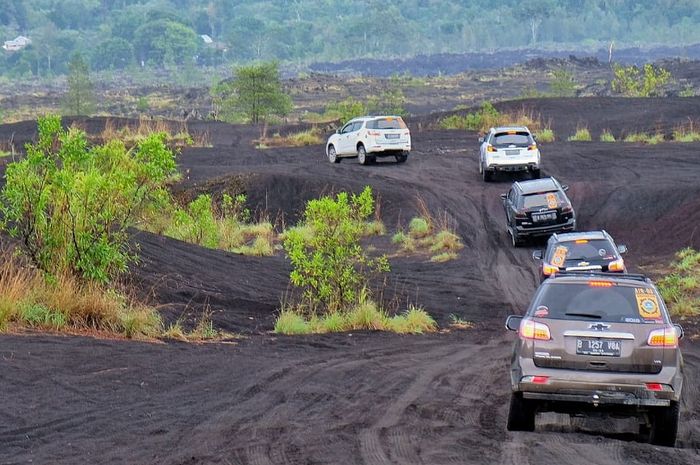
595 400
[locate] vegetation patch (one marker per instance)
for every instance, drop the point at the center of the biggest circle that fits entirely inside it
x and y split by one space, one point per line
681 287
29 299
226 226
546 135
644 138
581 135
176 135
607 136
487 117
686 133
298 139
426 234
631 81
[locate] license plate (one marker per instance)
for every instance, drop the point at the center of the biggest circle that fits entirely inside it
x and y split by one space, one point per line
600 347
544 217
392 136
512 152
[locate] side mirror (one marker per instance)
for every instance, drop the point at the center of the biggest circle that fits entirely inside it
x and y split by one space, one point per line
565 187
481 140
337 131
504 196
534 137
537 255
679 331
622 248
513 322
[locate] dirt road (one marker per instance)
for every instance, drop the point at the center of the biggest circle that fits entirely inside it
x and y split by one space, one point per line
363 398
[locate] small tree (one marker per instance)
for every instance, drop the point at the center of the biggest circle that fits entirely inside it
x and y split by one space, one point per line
70 204
633 82
255 93
80 99
329 264
562 83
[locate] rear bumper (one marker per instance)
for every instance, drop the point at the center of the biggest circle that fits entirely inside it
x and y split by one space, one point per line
389 150
546 230
515 166
603 398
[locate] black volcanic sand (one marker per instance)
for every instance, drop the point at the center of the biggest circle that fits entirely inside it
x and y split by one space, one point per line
364 397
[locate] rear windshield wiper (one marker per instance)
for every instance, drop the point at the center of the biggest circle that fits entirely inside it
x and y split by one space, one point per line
585 315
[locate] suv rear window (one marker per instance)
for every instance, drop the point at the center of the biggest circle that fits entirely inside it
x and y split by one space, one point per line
599 301
542 200
601 249
386 123
504 139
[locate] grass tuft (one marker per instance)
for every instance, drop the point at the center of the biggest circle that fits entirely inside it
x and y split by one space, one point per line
644 138
291 322
418 228
546 135
681 287
443 257
581 135
607 136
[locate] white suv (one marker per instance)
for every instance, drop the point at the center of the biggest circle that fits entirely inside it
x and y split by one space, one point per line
510 148
370 137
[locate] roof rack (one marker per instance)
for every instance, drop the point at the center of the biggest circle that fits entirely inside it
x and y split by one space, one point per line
603 274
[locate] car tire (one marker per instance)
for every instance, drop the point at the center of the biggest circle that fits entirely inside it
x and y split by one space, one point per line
362 156
521 415
401 158
664 425
536 174
486 175
332 155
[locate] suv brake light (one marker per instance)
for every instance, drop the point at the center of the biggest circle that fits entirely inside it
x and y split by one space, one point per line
617 265
491 148
548 269
530 329
532 147
663 337
567 209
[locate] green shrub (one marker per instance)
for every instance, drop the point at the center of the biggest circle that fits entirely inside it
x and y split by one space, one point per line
375 228
607 136
70 204
345 110
546 135
686 134
633 82
484 118
582 135
36 314
681 287
414 321
290 322
418 227
332 268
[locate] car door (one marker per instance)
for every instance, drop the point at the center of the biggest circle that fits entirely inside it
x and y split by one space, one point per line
343 144
510 204
482 148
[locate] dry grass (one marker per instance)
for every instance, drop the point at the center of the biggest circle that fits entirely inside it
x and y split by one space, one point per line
686 133
297 139
27 298
177 133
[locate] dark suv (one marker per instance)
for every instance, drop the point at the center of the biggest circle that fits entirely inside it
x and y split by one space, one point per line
538 207
598 342
581 251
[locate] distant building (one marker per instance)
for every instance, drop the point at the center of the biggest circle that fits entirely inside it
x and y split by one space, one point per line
207 40
16 44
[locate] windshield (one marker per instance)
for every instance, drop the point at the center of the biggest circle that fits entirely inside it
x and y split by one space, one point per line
505 139
597 249
544 200
599 301
386 123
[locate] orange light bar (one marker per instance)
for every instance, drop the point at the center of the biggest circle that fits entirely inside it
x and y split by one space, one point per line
600 283
582 241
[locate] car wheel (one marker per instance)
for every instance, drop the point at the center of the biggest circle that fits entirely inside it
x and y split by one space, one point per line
664 425
481 168
536 174
332 155
362 155
401 158
521 415
486 175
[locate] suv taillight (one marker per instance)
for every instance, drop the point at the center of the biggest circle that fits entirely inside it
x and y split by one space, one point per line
532 147
530 329
663 337
491 148
567 209
548 269
374 133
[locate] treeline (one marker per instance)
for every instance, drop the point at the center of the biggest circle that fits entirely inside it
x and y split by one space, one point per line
118 34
